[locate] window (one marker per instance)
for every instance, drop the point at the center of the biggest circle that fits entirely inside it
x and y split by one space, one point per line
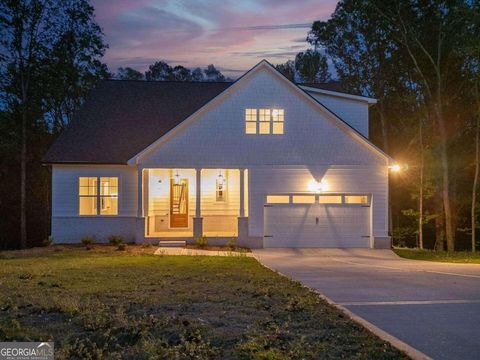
250 121
277 121
278 199
108 196
221 189
268 121
303 199
356 199
87 195
98 196
330 199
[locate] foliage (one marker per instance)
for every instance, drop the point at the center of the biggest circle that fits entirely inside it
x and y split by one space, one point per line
466 257
116 240
201 241
232 244
48 241
50 59
87 241
161 71
128 73
312 67
116 305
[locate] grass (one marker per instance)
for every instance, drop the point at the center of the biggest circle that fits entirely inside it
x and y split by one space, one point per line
104 303
463 257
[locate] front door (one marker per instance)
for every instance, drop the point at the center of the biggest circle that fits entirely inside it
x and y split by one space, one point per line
179 203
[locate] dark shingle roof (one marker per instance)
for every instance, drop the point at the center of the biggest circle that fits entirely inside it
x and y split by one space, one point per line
121 118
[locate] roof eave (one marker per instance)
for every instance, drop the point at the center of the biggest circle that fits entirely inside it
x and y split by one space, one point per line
368 100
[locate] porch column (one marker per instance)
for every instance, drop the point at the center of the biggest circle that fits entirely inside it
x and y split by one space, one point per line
242 220
242 193
198 220
140 192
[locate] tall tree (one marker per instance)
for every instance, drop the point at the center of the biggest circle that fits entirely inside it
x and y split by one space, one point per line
287 69
312 67
49 49
180 73
197 74
128 73
213 74
159 71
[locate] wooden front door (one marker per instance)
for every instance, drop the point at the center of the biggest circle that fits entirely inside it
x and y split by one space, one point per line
179 204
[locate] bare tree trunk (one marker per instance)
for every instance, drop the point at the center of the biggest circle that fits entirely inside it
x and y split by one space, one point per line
449 231
474 189
23 177
420 195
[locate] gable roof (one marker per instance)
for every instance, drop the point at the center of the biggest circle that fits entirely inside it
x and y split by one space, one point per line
121 118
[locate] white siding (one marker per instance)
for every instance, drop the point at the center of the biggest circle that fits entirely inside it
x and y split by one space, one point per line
353 112
218 137
364 180
68 226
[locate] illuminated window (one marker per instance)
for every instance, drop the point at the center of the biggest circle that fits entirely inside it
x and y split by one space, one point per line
87 192
356 199
330 199
264 121
303 199
278 199
277 121
221 189
94 191
108 196
268 121
250 121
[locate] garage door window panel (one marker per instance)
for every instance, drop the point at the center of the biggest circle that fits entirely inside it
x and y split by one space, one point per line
278 199
303 199
356 199
330 199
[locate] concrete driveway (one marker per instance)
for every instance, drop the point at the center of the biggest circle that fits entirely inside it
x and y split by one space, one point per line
433 307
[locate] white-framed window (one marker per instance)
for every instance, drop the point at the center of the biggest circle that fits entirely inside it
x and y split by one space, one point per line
98 195
356 199
264 121
278 199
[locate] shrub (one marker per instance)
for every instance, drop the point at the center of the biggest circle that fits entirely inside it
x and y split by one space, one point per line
201 241
87 241
115 240
232 244
122 246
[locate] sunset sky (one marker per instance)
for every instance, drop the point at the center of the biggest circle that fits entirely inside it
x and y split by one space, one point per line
232 34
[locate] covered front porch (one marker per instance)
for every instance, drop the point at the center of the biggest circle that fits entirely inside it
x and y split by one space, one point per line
180 203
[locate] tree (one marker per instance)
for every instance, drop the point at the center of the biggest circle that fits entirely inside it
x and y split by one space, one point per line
287 69
128 73
212 74
197 74
50 52
180 73
312 67
159 71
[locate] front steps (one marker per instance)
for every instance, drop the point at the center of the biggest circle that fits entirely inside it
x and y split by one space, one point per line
172 243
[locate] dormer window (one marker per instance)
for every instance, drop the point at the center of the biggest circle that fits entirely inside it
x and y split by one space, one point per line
264 121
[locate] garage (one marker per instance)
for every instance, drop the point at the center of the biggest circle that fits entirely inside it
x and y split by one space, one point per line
333 220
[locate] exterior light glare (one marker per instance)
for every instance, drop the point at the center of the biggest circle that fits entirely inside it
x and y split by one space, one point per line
395 167
317 186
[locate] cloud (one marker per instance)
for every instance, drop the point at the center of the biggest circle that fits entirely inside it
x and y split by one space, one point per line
231 34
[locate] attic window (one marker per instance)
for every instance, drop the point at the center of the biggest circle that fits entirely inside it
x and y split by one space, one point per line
264 121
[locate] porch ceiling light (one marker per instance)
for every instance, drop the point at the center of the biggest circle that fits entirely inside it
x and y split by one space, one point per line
221 178
176 178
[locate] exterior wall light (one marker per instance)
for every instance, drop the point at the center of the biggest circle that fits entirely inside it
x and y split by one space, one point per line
318 186
176 178
395 167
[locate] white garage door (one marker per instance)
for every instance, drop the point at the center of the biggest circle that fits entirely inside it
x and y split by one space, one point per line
317 224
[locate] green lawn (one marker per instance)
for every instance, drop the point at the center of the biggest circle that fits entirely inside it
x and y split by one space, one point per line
464 257
110 304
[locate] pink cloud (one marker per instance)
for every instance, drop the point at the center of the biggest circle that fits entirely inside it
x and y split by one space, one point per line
232 34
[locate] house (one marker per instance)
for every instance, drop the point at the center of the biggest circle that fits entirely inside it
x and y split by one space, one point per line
262 159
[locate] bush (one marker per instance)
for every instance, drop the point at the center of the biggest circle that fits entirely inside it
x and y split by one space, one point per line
87 241
232 244
115 240
122 247
201 241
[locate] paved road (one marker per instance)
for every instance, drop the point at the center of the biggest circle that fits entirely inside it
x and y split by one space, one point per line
434 307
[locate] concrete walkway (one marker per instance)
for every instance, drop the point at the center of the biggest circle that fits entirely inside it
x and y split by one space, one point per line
433 307
198 252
